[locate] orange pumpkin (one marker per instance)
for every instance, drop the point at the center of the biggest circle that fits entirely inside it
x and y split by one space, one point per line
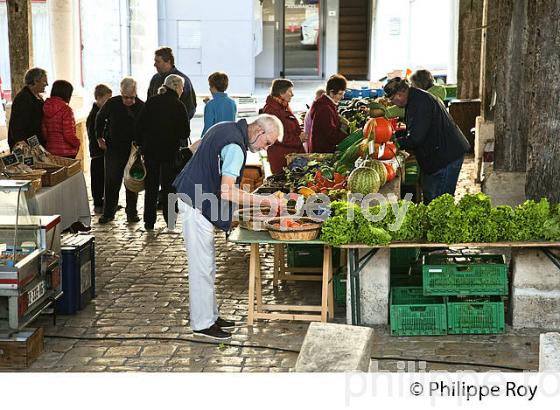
380 129
391 174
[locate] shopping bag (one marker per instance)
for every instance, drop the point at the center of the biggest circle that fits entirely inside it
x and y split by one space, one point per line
135 171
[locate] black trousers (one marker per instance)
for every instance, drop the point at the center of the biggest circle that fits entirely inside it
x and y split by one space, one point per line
157 172
115 162
97 174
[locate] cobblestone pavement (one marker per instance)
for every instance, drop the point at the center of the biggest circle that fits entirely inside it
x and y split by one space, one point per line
142 294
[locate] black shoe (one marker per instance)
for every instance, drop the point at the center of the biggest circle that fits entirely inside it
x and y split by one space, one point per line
149 227
105 219
213 332
132 218
79 227
225 324
98 209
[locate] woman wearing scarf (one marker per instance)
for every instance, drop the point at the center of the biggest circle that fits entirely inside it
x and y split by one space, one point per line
277 104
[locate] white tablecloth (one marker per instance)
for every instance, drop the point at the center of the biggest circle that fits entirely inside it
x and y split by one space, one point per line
69 199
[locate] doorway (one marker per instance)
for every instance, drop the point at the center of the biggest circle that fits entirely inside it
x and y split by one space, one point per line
302 39
293 39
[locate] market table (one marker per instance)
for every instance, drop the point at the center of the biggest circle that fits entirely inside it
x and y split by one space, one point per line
266 311
357 262
69 199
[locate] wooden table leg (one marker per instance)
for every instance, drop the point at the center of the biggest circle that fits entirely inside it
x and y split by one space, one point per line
258 280
327 262
252 274
276 264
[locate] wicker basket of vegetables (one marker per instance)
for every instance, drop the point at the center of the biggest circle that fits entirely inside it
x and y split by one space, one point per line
292 228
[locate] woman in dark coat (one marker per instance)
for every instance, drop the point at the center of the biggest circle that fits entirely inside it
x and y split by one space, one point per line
162 124
277 104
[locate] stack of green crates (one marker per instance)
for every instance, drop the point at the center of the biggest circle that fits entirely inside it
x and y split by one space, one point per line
473 285
468 288
413 314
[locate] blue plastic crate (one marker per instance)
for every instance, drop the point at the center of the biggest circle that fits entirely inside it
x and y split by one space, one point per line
363 92
78 273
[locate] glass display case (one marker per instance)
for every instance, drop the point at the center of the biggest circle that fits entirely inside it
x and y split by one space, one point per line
29 264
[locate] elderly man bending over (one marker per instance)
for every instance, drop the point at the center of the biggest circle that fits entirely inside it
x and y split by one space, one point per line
207 187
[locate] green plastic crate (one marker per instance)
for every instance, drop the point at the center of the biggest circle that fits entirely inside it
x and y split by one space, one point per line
403 258
450 91
404 279
413 314
451 275
475 315
339 288
310 256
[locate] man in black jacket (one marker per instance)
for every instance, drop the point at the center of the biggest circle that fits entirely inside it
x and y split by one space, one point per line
114 127
164 62
27 108
439 145
102 93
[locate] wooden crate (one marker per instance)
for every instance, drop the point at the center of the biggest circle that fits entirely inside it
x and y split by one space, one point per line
21 349
253 175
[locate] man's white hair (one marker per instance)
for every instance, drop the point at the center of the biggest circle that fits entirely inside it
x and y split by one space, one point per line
270 125
128 84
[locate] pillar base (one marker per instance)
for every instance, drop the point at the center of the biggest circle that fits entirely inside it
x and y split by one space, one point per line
505 188
535 299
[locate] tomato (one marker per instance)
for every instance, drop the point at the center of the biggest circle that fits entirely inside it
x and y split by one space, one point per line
338 178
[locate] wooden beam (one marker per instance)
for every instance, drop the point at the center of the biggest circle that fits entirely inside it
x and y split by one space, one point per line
542 101
514 82
20 41
470 34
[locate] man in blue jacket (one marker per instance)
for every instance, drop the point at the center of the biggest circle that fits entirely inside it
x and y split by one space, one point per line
207 187
438 143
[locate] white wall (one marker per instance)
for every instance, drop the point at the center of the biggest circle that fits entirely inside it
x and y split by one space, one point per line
331 38
103 58
412 34
226 43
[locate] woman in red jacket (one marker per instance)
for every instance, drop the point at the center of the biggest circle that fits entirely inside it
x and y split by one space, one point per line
277 104
59 126
326 129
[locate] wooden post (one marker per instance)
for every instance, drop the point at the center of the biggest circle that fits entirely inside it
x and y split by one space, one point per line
20 41
514 83
470 34
542 100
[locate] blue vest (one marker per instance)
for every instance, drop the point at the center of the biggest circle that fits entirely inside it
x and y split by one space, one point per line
201 178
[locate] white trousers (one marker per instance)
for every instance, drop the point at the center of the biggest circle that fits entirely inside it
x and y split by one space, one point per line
198 234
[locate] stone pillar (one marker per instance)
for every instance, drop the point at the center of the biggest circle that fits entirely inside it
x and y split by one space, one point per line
61 20
20 41
469 47
535 291
374 290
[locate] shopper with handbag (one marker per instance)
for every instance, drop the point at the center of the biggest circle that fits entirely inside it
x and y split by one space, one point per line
114 127
162 124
